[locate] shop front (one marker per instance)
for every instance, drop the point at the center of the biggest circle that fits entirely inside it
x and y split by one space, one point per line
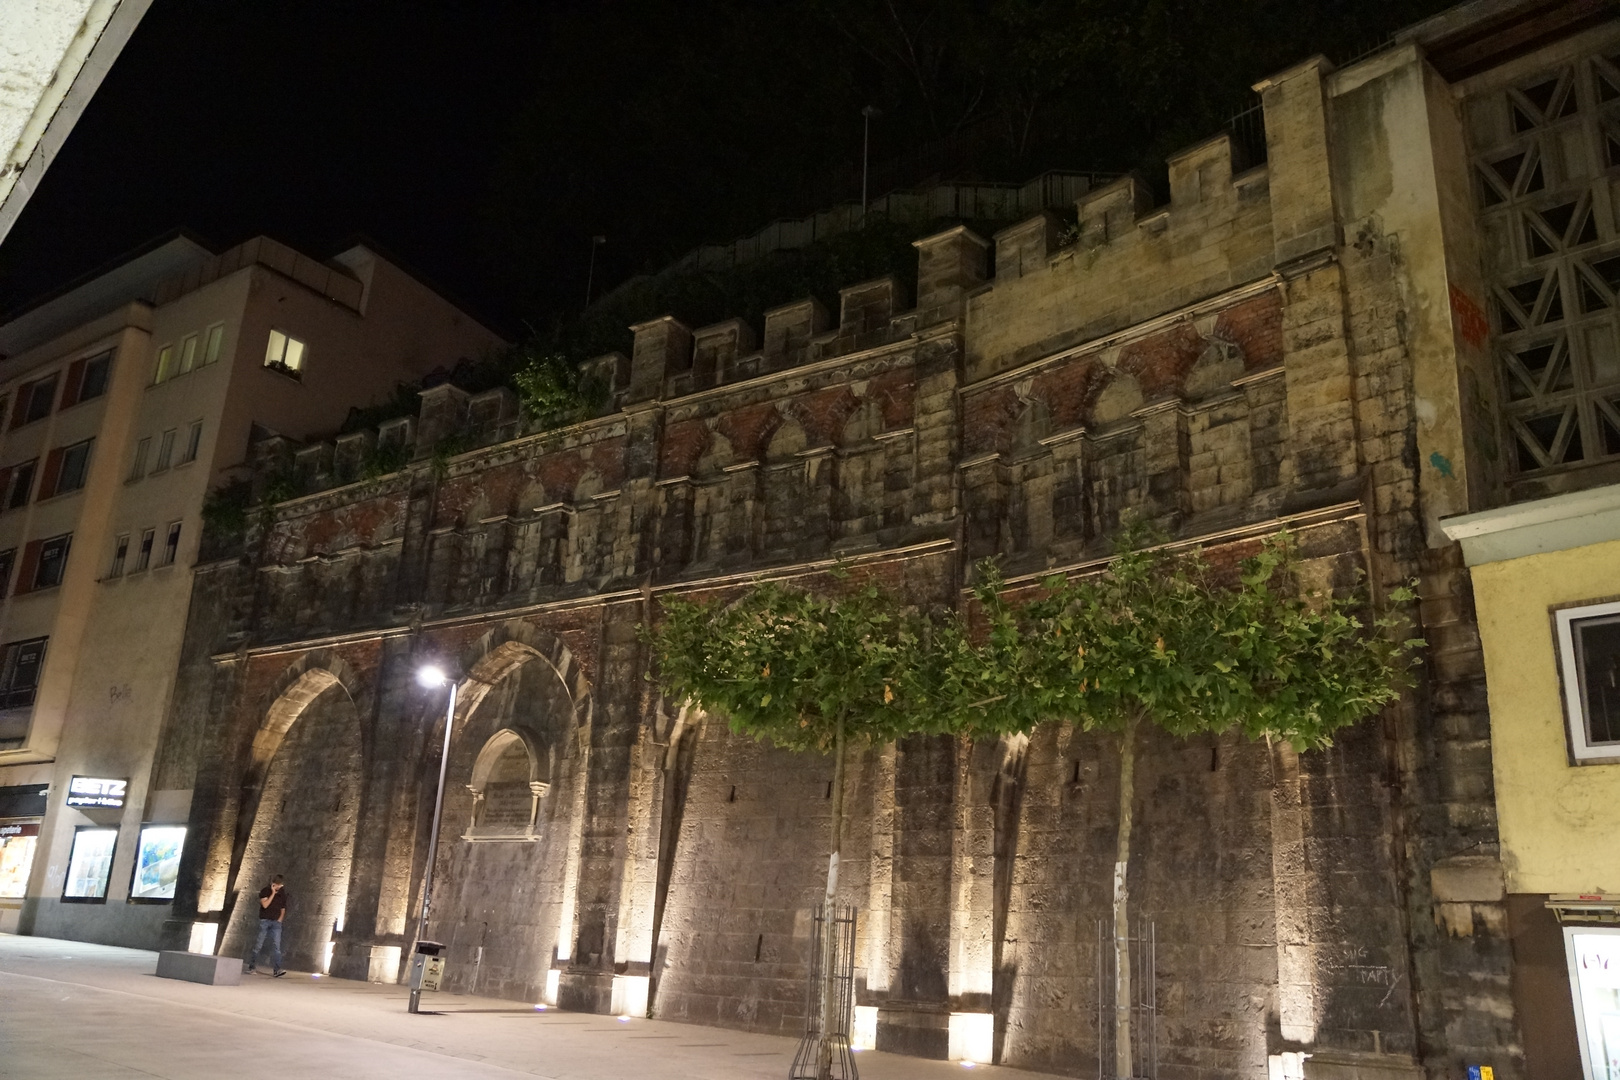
22 808
1546 581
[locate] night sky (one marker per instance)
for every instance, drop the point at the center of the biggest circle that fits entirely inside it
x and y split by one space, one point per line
483 142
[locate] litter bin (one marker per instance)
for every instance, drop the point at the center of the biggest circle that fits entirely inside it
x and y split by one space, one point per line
427 969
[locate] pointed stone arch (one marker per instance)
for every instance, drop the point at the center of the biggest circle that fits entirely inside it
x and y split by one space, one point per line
506 647
306 679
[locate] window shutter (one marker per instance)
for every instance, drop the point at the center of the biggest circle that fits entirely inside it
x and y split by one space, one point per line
75 382
19 414
30 567
53 473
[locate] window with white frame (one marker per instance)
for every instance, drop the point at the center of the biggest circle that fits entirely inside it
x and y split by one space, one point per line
166 366
171 545
143 449
143 554
120 556
284 354
216 338
193 442
165 456
1589 653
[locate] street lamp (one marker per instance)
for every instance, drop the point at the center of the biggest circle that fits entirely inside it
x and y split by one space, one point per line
432 676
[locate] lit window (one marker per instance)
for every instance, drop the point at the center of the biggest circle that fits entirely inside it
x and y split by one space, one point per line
90 864
8 559
165 364
53 555
188 353
20 662
216 338
120 554
143 557
1589 649
193 442
165 450
143 450
171 545
21 485
283 353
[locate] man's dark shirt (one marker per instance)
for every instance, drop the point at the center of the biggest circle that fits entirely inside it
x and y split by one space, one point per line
277 905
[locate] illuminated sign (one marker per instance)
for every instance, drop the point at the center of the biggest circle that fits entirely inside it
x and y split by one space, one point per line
92 791
10 829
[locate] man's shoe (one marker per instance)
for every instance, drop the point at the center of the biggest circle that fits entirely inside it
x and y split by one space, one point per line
250 971
278 974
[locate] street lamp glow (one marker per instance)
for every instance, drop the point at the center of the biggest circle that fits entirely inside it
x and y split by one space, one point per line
430 675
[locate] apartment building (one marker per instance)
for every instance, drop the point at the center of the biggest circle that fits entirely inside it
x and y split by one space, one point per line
123 402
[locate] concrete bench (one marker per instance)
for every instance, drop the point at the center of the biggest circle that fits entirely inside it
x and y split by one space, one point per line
200 968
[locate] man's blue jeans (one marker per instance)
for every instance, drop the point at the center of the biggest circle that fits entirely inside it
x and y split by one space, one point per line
268 928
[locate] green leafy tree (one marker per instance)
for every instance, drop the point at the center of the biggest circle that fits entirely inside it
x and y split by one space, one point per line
1161 638
815 672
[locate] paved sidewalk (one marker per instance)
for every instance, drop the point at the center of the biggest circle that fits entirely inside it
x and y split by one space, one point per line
92 1012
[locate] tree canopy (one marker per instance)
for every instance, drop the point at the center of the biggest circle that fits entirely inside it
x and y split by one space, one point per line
1159 636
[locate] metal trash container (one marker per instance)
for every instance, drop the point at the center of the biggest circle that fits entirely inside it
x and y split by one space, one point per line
427 969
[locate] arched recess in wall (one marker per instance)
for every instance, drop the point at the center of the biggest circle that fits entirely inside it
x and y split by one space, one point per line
300 809
507 870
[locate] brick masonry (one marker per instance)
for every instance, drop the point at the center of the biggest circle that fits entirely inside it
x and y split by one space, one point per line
1236 361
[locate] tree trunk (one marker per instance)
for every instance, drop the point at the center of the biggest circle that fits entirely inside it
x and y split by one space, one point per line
829 952
1122 924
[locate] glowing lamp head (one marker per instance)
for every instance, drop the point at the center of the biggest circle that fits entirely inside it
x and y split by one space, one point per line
431 676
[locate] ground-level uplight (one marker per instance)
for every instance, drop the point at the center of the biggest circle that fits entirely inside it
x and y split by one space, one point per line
432 676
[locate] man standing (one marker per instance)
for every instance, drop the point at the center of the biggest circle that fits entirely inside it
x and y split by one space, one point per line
272 910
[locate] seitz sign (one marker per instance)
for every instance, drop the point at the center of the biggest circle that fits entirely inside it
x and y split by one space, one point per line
94 791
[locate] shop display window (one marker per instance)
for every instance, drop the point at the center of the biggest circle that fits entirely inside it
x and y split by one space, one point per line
17 842
1594 976
157 862
90 864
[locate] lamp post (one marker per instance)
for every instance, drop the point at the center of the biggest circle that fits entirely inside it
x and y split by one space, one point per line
866 152
433 677
590 274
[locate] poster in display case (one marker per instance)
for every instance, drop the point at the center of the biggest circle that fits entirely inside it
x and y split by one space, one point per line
17 840
90 864
157 862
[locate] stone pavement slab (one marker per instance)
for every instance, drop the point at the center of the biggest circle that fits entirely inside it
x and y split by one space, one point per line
88 1012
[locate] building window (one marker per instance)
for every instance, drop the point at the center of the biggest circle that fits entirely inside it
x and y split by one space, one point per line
188 353
21 485
143 557
8 561
53 555
143 450
284 354
165 364
165 450
34 401
157 862
65 469
193 442
216 338
20 663
86 379
90 864
120 555
1589 650
171 545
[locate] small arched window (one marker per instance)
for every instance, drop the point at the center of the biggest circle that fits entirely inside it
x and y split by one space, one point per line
509 778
